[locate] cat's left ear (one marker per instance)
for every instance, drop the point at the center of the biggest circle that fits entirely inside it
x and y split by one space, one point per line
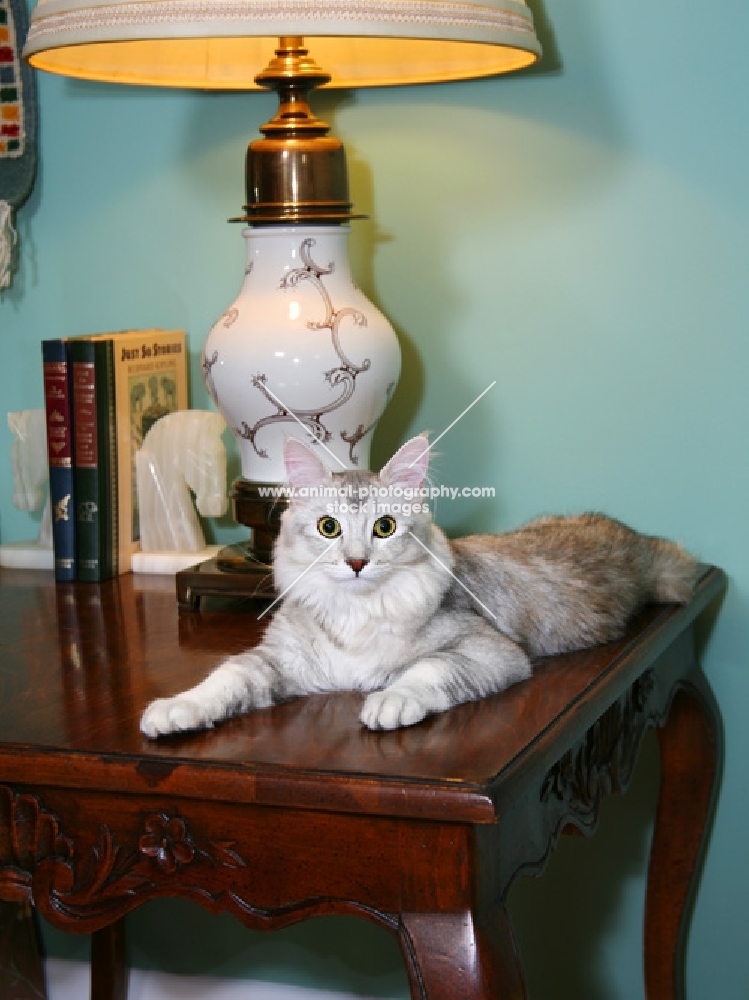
303 467
408 466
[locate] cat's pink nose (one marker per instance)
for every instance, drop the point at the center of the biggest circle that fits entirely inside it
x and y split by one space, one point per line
357 565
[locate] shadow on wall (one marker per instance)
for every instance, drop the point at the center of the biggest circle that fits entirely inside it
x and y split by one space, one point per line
562 919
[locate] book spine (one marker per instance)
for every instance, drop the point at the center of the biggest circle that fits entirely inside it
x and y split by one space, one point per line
94 458
110 433
59 416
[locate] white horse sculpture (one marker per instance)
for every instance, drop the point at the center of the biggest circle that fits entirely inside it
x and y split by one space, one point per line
28 459
181 450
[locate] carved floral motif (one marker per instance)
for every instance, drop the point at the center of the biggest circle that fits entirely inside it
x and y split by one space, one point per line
604 759
166 841
29 834
87 885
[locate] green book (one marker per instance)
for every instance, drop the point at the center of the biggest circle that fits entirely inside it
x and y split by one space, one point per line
94 458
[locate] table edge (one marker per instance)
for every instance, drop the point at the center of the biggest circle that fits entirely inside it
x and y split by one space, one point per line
271 785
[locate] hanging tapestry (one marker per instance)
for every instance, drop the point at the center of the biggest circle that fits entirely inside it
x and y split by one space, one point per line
17 128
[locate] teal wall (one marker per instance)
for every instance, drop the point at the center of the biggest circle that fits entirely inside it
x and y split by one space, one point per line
581 235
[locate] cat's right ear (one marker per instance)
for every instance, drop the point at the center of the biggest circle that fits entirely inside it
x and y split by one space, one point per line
303 467
409 465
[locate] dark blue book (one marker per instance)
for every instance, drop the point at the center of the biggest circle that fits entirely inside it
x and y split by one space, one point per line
58 400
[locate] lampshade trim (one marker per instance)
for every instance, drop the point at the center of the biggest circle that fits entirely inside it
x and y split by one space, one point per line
92 17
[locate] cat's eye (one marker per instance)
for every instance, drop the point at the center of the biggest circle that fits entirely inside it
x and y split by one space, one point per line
329 527
384 527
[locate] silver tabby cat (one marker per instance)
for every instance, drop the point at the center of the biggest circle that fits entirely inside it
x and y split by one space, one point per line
383 603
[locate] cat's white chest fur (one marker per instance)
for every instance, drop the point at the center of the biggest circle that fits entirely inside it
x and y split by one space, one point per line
344 654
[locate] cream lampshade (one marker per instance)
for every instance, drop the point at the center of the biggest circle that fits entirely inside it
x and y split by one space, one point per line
300 350
221 44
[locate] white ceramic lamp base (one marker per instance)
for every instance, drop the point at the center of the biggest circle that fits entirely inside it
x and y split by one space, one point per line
301 352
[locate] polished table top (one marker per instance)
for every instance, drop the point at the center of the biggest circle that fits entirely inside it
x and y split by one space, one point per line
79 662
298 811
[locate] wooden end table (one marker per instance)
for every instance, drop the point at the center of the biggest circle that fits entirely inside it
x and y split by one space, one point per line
297 811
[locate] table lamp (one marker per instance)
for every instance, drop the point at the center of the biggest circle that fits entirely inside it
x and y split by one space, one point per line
300 351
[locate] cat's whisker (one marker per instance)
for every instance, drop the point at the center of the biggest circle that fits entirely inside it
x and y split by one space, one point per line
448 570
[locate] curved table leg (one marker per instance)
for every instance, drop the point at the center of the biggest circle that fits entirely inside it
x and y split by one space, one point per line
21 965
457 956
109 971
691 759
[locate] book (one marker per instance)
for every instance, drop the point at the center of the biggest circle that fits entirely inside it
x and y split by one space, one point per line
137 377
149 371
94 459
59 417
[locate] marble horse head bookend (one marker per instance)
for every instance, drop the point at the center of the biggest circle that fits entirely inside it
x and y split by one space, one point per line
182 454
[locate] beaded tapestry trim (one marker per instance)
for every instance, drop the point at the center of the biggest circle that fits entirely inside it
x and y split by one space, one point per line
11 90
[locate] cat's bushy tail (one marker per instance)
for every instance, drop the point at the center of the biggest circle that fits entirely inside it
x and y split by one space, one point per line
675 571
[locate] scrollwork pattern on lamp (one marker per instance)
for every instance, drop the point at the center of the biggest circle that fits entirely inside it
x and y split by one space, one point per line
353 439
342 377
208 363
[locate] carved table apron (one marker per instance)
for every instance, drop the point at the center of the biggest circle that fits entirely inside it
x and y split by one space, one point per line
297 811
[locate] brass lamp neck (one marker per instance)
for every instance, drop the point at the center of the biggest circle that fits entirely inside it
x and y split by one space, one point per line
297 172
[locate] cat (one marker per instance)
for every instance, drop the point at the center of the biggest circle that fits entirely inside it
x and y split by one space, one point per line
378 600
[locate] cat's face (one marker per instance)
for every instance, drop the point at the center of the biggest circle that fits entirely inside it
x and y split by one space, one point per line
353 532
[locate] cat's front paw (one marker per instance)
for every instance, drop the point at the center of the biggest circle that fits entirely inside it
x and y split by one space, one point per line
173 715
392 709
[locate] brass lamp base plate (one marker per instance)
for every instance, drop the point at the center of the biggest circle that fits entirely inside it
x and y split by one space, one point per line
234 572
